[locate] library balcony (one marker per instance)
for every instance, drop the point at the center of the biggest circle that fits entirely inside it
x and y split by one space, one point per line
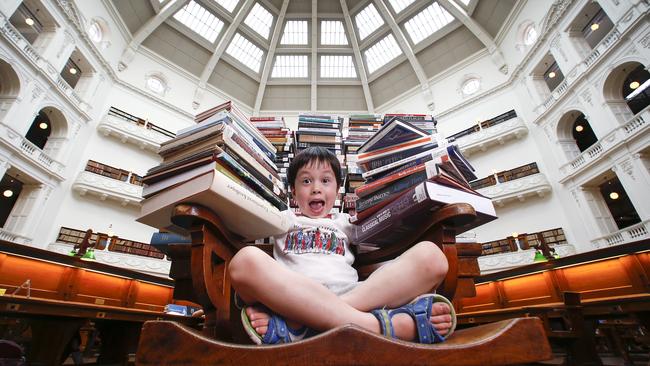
14 238
514 184
625 134
24 48
626 235
115 251
104 182
132 129
30 152
507 260
495 131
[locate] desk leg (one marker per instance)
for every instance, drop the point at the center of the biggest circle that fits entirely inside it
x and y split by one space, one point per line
118 340
50 337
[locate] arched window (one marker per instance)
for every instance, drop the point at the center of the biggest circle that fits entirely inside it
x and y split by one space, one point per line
95 32
530 34
156 83
470 86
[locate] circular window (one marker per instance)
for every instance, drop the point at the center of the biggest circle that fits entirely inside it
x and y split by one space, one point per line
95 32
471 86
156 84
530 35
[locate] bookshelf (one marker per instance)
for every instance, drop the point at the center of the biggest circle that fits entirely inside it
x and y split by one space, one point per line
549 237
113 173
118 113
485 124
115 244
506 176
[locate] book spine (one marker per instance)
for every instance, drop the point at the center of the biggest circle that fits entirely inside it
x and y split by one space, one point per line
319 138
408 182
239 141
428 155
368 188
389 159
169 238
257 188
267 179
400 147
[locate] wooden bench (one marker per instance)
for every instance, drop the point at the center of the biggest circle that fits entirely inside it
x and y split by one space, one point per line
511 341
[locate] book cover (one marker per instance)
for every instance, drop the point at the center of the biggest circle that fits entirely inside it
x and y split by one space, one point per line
242 212
369 187
393 132
163 238
425 155
461 163
367 165
392 189
429 139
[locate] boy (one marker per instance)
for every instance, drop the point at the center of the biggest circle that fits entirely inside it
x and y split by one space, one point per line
311 282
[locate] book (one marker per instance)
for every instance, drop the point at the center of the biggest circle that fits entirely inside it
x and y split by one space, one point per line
393 157
393 132
459 161
430 139
390 190
404 214
172 180
428 155
244 213
366 189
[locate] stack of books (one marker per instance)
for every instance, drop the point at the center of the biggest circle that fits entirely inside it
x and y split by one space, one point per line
276 131
425 122
406 171
224 163
323 130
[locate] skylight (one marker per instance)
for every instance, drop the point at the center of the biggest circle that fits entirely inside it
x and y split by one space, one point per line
295 32
399 5
465 2
200 20
337 66
332 33
290 66
229 5
381 53
245 52
429 20
368 20
260 20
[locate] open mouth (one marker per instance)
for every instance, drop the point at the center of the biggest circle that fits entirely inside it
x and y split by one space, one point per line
316 205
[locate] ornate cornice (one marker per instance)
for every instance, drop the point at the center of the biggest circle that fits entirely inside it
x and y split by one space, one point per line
127 131
518 189
106 188
479 141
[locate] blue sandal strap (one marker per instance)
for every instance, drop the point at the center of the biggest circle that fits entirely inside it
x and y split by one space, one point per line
385 322
420 311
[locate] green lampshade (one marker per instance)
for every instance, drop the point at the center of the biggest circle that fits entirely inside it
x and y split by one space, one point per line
539 257
72 253
89 256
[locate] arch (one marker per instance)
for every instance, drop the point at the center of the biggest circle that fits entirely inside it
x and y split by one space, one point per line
60 125
9 81
612 83
564 127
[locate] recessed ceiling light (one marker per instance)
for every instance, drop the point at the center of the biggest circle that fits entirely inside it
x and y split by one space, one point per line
595 26
579 128
42 126
634 85
613 195
73 70
515 234
551 74
29 21
8 193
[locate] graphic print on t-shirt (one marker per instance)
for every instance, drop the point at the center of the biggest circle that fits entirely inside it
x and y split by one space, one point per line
313 240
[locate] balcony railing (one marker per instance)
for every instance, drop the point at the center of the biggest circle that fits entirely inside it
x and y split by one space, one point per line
129 128
619 135
515 184
13 237
479 139
106 182
30 151
551 238
485 124
602 46
629 234
112 243
503 261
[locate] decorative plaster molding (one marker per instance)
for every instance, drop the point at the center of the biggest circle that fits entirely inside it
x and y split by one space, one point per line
27 150
14 238
519 189
127 131
632 233
502 261
104 187
158 267
513 128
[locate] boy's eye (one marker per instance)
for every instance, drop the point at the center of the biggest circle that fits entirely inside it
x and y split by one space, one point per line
326 180
306 180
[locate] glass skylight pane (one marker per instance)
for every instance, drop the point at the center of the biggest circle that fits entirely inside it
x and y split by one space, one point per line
368 20
382 52
295 32
429 20
465 2
399 5
200 20
290 66
260 20
332 33
228 4
337 67
245 52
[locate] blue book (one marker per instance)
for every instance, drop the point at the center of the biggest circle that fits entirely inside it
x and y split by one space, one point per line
169 238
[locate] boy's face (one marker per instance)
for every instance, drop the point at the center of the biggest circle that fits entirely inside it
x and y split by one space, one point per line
315 189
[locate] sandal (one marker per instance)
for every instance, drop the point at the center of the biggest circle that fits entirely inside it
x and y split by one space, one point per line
278 331
420 310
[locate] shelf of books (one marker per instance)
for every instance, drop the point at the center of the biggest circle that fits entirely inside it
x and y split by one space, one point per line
129 128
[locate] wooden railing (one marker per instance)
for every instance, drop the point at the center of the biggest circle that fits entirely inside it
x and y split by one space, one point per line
524 241
138 121
113 173
485 124
115 244
506 176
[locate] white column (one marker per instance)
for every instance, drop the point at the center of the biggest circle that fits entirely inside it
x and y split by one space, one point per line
635 179
25 212
8 7
4 166
566 60
595 212
55 45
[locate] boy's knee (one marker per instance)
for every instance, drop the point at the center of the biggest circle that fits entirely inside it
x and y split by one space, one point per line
431 260
246 263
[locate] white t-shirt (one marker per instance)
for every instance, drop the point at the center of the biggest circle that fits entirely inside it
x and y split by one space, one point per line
319 249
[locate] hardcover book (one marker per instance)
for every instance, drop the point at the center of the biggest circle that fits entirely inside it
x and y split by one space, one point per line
393 132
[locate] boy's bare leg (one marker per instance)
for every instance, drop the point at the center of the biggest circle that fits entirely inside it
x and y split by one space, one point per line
258 278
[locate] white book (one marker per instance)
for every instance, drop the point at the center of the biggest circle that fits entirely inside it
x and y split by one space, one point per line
242 211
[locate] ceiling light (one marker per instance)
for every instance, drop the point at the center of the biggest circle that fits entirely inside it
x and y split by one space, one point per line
551 74
73 70
8 193
43 126
595 26
638 90
515 234
613 195
634 85
579 128
29 21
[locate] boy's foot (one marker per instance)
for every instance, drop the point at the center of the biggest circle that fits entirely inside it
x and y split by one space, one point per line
259 319
441 320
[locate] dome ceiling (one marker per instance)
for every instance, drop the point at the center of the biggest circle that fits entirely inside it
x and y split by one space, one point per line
327 55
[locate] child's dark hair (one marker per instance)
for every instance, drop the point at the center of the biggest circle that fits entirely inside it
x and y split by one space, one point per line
314 154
